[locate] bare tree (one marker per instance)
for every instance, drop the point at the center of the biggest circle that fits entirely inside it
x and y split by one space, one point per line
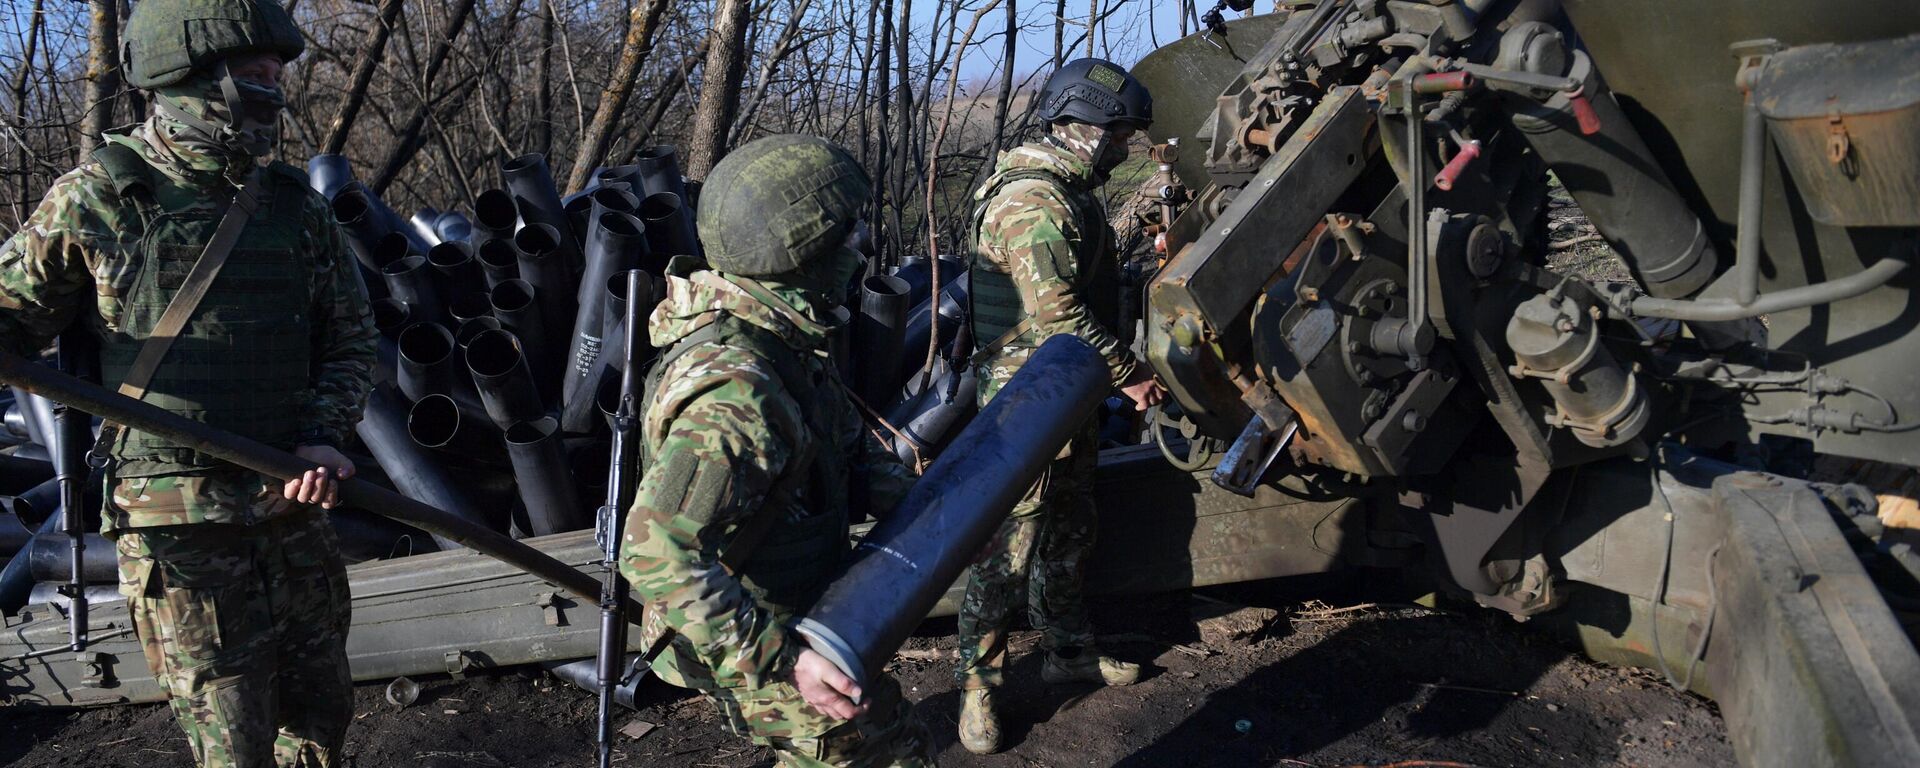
641 23
719 88
370 54
103 72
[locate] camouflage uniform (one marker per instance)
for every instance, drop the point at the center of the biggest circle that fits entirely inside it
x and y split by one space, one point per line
1029 229
239 596
722 432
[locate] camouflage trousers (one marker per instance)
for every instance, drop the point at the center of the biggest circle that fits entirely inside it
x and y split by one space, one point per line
1040 554
246 626
775 715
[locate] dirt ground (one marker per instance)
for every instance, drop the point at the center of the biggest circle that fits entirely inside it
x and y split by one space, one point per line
1322 686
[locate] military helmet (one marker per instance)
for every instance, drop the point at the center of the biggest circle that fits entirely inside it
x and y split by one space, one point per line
166 40
778 204
1095 91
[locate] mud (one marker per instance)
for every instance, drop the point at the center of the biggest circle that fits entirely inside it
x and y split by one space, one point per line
1324 686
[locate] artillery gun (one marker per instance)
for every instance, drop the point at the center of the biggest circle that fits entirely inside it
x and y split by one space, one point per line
1354 302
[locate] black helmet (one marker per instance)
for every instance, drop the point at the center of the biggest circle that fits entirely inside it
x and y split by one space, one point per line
1095 91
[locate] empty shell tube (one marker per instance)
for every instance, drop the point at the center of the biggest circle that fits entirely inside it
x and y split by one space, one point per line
413 472
499 261
499 369
540 471
412 282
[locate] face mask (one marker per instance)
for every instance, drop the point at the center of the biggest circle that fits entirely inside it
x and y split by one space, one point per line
223 111
1092 143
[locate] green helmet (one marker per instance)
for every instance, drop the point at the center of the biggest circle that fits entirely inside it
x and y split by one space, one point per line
778 204
168 39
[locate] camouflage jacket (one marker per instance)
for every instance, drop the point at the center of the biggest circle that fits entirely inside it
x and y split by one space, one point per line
722 413
1028 229
77 254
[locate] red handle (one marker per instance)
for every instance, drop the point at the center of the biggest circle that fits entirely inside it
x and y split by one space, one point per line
1583 113
1458 165
1442 82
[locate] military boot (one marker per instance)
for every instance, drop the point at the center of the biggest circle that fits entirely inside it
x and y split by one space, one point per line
1088 666
979 724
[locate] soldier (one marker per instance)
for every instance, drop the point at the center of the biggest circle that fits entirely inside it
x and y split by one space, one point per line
234 582
749 436
1044 263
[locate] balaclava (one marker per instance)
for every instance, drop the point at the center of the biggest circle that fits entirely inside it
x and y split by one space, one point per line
216 112
1092 143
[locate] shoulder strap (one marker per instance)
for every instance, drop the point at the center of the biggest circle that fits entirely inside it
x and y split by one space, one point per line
193 289
126 170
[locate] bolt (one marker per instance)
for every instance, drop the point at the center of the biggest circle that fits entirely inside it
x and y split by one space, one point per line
1413 421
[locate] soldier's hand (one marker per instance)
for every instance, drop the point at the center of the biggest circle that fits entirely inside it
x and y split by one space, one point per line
1143 389
825 687
320 485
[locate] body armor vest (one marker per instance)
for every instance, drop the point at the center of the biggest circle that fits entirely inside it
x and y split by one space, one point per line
996 300
791 564
242 362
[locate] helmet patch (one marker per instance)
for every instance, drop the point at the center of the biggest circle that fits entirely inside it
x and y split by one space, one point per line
1108 77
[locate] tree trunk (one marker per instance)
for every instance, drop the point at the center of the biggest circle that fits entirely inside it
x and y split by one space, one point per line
542 123
370 53
1059 32
103 73
1005 99
1093 18
663 100
411 139
782 48
641 23
719 88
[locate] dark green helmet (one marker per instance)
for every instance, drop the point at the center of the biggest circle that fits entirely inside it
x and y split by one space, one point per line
168 39
776 205
1095 91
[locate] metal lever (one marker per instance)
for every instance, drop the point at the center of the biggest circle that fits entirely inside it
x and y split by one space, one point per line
1246 463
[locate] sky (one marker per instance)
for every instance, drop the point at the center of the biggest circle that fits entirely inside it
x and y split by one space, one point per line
1132 30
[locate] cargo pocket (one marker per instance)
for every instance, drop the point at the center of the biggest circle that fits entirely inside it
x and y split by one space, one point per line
315 570
200 604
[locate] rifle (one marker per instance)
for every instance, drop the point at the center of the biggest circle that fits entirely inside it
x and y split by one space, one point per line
607 531
72 439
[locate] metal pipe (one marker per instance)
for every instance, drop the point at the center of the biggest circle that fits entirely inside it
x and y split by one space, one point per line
18 474
499 369
499 261
13 423
670 230
423 222
494 217
281 465
453 227
472 328
1417 224
13 535
327 173
428 365
921 323
516 305
534 196
658 167
37 413
614 246
459 271
918 272
1617 182
438 422
1827 292
367 218
877 331
613 318
101 594
545 484
579 210
391 248
585 675
412 470
50 558
469 305
1746 244
411 281
391 316
547 267
931 419
903 566
16 579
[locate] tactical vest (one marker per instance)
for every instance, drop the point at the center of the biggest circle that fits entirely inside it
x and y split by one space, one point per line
792 562
242 363
996 299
